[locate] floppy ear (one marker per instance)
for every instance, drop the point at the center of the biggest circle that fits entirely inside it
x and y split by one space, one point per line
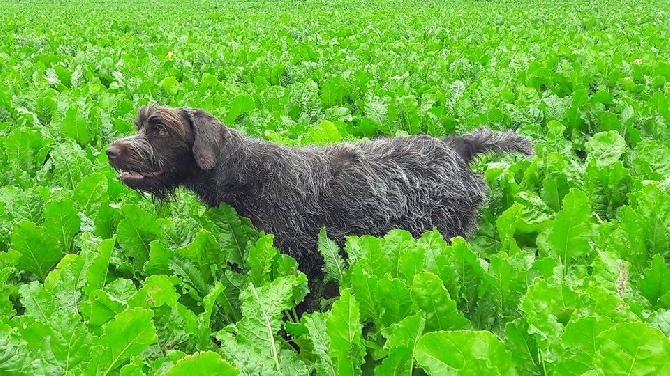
208 133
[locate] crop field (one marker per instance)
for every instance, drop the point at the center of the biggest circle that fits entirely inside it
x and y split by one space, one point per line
567 274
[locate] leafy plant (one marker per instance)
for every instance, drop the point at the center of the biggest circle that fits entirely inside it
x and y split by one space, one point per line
566 274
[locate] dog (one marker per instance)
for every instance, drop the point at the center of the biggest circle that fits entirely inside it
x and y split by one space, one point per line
416 183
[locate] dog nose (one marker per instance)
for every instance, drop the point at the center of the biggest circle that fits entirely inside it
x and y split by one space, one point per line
113 151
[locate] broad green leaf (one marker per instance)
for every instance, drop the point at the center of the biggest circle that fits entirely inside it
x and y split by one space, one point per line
170 85
62 223
523 347
203 363
334 265
26 151
256 346
462 274
317 330
91 193
205 252
70 164
68 350
579 342
241 104
656 281
608 188
127 335
205 318
134 233
504 283
97 263
570 236
507 225
344 330
605 148
463 352
159 258
548 307
333 91
324 133
386 300
631 349
105 303
178 229
14 359
430 295
156 291
76 126
7 291
235 234
259 260
651 221
400 342
38 253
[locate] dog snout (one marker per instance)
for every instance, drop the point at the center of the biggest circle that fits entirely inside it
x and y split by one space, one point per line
113 151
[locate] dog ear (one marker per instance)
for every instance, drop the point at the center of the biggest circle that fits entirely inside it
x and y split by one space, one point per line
208 134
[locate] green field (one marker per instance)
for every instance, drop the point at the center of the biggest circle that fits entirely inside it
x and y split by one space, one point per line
567 274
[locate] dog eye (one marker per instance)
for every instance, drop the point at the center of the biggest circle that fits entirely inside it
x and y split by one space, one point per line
161 130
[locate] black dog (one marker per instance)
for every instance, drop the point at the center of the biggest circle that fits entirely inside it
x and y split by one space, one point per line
415 183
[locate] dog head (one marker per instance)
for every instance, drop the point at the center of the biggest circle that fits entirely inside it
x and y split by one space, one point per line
170 146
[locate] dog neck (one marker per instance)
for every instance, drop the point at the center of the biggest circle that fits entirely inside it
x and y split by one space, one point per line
244 165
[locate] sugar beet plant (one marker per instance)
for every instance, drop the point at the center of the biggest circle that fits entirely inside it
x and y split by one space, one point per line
567 274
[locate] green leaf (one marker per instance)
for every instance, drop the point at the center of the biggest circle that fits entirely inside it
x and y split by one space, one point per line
633 349
462 274
205 252
205 318
463 352
68 350
156 291
14 359
253 344
401 340
656 280
324 133
523 347
26 151
570 236
38 253
605 148
317 328
170 85
234 234
548 307
76 126
505 282
344 330
134 233
97 263
61 222
127 335
580 345
91 193
384 299
70 164
159 258
334 265
242 104
202 363
430 295
333 91
259 260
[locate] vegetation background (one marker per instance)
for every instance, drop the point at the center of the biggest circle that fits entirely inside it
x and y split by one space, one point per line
567 274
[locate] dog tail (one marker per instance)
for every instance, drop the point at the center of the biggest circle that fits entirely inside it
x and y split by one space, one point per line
485 140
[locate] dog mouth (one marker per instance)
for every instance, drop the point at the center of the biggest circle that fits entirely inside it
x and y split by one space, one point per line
129 176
